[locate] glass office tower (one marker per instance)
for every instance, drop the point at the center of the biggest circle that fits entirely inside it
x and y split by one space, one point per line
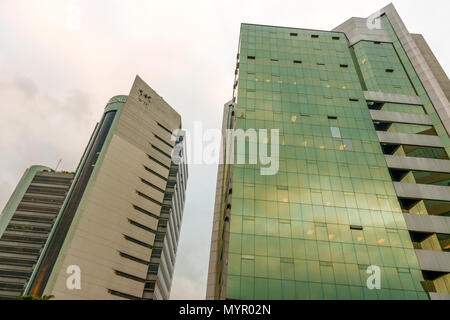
363 180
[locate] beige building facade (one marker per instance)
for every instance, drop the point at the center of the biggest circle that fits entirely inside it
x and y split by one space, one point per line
113 228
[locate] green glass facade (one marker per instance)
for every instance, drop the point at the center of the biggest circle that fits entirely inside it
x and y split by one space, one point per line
334 208
290 233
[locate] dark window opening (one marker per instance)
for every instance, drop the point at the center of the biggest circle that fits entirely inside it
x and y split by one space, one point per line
335 38
293 34
150 285
332 117
137 224
163 141
353 99
128 276
143 244
129 257
156 253
320 63
377 42
344 65
353 227
153 268
155 173
163 127
122 295
297 61
152 185
314 36
390 70
162 152
148 198
145 212
158 162
251 57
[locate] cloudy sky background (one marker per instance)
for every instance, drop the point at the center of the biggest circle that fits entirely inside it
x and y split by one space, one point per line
61 60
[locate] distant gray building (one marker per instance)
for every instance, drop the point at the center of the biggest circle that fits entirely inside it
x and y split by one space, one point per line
25 225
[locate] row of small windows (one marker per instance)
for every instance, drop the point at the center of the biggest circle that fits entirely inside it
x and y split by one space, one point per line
300 61
314 36
325 97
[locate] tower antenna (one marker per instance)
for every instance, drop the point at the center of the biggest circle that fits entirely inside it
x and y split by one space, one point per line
59 162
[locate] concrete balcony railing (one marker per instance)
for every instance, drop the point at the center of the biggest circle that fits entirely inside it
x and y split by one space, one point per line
422 191
417 164
400 117
427 224
437 261
391 97
409 139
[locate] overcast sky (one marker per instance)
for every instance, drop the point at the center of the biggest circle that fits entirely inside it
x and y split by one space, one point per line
61 60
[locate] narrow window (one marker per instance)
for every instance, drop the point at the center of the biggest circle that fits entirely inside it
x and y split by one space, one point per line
158 162
335 38
163 127
354 227
320 63
344 65
274 60
156 252
293 34
314 36
152 185
129 257
161 152
155 173
251 57
128 276
332 117
163 141
353 99
146 245
150 285
297 61
145 212
122 295
390 70
153 268
148 198
377 42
